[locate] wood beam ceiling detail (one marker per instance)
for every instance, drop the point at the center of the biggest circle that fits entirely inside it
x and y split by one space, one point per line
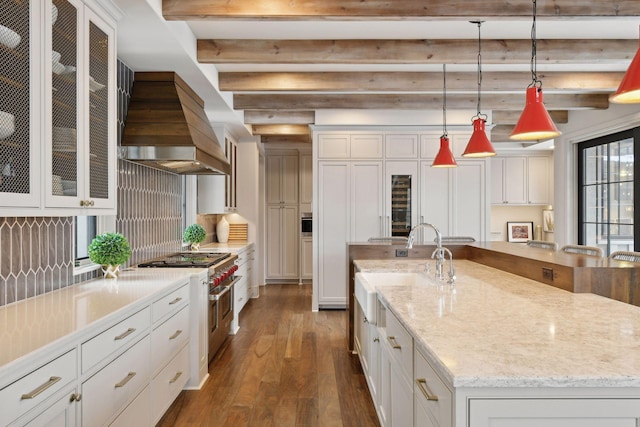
280 129
449 51
414 81
272 117
193 10
285 139
411 101
506 117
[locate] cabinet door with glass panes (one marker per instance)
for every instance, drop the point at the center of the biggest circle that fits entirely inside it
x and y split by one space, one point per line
19 84
80 135
401 197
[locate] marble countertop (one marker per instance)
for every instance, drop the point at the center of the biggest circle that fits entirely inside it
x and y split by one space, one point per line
56 316
496 329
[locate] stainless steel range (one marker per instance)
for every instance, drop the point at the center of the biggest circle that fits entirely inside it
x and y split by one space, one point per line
221 268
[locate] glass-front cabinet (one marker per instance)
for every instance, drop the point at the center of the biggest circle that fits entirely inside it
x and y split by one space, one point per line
57 108
19 73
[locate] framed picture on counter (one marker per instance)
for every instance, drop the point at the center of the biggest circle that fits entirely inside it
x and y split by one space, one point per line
519 232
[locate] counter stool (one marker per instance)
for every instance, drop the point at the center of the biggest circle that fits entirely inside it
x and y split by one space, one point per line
542 244
583 250
625 256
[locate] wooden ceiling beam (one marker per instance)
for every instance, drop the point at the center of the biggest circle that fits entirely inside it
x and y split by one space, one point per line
506 117
193 10
274 117
440 51
411 101
280 129
413 81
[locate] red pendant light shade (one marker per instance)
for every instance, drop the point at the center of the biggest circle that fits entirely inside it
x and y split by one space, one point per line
629 90
444 158
535 123
479 145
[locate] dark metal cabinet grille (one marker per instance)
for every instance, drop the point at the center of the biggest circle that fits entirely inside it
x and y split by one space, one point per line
98 113
15 129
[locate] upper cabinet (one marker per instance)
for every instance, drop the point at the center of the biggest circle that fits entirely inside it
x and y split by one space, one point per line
282 179
62 97
521 180
306 182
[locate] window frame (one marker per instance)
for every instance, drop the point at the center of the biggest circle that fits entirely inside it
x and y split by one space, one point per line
104 224
633 133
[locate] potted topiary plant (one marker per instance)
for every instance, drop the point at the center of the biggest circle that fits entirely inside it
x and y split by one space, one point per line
195 235
109 250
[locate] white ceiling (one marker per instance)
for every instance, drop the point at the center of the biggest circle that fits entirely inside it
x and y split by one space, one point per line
146 42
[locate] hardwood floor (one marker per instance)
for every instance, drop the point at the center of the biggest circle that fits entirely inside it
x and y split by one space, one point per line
287 366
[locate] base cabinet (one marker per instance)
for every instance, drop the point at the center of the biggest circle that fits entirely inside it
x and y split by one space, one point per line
282 242
554 412
60 412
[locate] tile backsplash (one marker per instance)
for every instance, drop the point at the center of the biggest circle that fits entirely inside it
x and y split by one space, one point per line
37 253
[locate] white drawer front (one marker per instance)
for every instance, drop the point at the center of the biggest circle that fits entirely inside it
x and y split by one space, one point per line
401 345
427 387
240 294
171 302
138 413
32 389
167 384
112 388
167 338
114 338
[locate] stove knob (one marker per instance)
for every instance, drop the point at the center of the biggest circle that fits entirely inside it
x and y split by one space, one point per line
217 280
235 268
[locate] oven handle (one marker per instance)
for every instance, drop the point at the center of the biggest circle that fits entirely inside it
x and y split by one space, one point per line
216 297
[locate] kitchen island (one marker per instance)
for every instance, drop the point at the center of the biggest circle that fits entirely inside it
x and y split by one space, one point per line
499 348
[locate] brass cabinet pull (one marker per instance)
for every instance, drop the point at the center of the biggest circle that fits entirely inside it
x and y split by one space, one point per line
175 334
75 397
175 301
41 388
175 378
91 203
422 385
125 334
126 379
393 342
376 340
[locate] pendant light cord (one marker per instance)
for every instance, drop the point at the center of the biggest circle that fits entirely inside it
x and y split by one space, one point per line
534 59
444 100
479 115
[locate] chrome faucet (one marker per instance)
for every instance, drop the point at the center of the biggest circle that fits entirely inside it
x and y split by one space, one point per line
438 253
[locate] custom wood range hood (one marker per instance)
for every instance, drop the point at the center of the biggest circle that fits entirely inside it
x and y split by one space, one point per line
166 128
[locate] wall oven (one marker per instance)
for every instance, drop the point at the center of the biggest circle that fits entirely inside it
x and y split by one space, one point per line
306 224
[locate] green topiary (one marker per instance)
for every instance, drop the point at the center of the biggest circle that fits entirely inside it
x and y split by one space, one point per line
109 248
194 234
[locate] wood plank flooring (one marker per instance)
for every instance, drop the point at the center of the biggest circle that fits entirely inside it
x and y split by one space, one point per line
287 366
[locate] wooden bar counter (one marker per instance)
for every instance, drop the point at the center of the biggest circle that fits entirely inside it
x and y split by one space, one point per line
619 280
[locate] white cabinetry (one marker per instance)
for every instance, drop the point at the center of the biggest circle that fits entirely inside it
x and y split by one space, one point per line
217 193
433 400
245 287
366 201
306 182
61 159
306 258
401 146
282 242
521 180
282 179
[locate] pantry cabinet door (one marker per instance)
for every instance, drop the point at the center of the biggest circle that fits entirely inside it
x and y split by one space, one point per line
366 201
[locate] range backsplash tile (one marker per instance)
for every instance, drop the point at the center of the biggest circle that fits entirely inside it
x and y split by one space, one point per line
36 254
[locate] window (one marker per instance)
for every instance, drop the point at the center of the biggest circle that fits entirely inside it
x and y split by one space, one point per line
85 230
606 171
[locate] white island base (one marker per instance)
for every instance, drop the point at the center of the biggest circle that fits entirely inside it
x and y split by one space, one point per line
496 350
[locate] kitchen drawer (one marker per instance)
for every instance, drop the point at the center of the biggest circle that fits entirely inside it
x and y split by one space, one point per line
114 338
37 386
169 337
138 413
169 382
401 345
169 303
241 294
428 383
113 387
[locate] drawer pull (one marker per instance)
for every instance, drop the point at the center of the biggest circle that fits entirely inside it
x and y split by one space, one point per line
175 334
126 379
175 301
393 342
376 340
422 385
175 377
125 334
75 397
40 389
